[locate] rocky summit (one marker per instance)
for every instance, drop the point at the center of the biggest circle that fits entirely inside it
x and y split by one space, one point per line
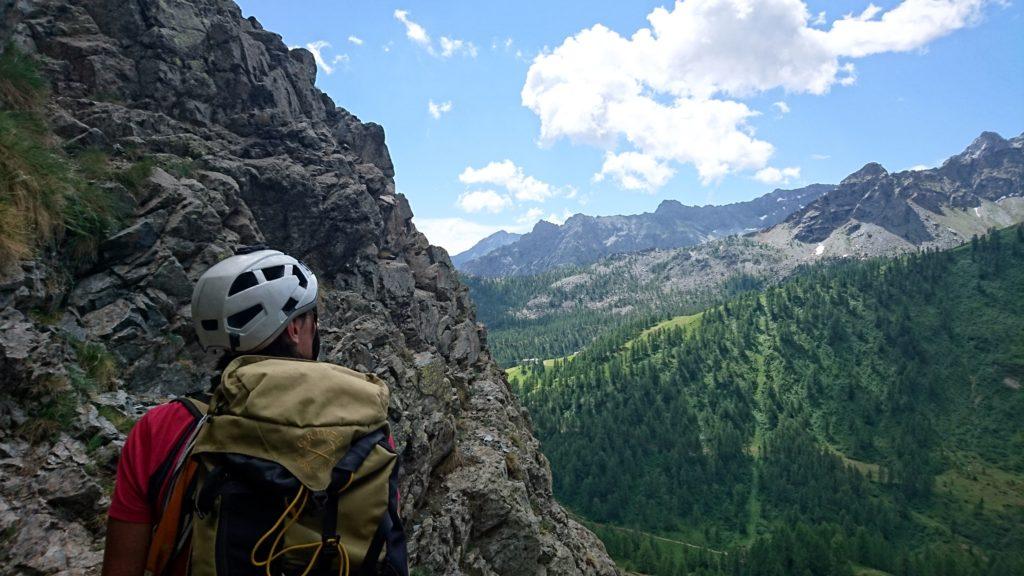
241 149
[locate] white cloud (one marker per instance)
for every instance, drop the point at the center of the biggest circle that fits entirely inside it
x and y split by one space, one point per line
919 167
483 201
529 217
454 234
355 40
820 20
820 156
781 107
511 177
635 171
671 91
418 34
317 49
436 110
909 26
772 175
452 46
413 31
559 218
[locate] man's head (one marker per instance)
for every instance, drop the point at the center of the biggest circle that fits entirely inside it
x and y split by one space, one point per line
261 302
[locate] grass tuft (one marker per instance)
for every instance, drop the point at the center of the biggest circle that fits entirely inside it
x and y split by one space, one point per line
21 85
46 197
98 364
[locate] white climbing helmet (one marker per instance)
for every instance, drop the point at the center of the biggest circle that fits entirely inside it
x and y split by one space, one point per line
243 302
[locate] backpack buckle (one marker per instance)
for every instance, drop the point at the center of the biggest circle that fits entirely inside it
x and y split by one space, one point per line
331 544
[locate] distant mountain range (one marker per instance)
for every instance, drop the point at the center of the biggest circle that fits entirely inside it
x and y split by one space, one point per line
485 246
585 239
873 212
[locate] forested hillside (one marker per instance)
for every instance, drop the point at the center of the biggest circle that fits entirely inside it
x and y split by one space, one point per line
860 415
559 312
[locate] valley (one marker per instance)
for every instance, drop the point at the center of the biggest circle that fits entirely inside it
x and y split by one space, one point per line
872 402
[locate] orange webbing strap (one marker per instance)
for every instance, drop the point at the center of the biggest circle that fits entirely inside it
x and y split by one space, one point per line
173 529
168 538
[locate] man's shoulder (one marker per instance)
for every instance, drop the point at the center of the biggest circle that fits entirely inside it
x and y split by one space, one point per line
166 417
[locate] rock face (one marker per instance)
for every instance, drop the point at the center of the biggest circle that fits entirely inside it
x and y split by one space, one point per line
874 212
247 151
585 239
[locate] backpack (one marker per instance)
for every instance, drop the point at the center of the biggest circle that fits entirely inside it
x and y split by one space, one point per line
290 472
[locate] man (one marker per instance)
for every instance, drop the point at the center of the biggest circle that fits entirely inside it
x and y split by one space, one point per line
263 302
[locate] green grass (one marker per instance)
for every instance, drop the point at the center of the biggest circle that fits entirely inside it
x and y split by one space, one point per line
120 421
98 363
21 85
46 197
687 322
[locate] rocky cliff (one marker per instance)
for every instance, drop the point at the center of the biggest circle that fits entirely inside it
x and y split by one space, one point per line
240 148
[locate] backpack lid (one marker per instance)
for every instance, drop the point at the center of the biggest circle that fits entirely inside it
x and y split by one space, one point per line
299 413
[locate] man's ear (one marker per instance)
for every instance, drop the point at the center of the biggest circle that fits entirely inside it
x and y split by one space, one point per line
293 329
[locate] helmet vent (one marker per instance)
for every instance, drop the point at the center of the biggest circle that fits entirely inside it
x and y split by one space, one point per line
243 282
274 272
242 318
290 305
298 274
209 325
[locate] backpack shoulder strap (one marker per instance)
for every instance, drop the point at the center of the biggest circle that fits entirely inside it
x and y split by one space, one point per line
172 519
158 480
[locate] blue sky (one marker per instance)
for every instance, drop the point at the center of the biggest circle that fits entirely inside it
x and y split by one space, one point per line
498 114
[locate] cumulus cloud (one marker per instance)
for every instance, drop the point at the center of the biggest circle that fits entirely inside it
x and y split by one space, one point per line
454 234
418 34
317 49
635 171
355 40
781 107
671 91
772 175
483 201
436 110
511 177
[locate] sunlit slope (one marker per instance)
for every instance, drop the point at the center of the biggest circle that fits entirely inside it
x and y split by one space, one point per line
880 400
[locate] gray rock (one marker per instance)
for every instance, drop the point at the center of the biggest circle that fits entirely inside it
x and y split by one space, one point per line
132 241
170 278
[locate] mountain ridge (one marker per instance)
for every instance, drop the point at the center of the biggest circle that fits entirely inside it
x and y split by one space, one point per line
874 212
584 239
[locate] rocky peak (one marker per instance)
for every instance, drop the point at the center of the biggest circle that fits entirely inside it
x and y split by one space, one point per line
986 143
870 171
238 147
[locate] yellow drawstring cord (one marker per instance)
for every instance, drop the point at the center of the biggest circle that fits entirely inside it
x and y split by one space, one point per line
343 568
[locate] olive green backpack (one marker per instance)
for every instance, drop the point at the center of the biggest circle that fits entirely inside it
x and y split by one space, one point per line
295 474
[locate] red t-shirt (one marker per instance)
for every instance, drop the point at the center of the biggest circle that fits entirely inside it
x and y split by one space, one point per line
148 445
